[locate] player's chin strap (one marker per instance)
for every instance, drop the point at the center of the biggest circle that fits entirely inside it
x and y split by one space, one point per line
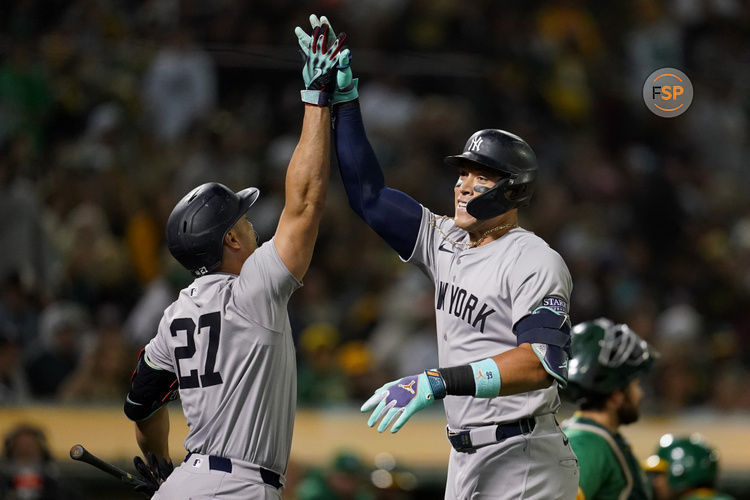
548 332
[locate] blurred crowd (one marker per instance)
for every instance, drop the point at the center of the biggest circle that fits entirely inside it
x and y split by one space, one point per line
28 471
110 111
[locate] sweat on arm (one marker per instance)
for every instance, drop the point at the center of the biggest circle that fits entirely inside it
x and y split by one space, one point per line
395 216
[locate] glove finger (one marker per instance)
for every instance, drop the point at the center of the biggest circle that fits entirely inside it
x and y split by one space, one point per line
324 35
345 58
302 38
392 413
405 416
378 396
336 47
316 40
143 469
331 33
381 410
153 464
314 21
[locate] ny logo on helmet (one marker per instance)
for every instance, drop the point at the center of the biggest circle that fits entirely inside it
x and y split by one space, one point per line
475 144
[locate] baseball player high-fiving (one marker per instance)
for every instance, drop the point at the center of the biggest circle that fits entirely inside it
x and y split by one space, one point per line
226 341
501 305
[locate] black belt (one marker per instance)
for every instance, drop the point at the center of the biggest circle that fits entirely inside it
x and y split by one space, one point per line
269 477
469 440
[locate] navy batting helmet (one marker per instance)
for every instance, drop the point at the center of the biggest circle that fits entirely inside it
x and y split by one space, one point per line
198 223
511 156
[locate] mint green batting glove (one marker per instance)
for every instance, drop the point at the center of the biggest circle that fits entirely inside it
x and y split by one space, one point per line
403 398
346 86
305 41
321 60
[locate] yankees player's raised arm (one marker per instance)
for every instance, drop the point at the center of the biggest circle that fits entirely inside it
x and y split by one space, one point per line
306 185
394 215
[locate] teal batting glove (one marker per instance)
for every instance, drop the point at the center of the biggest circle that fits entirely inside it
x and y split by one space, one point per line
346 86
403 398
321 59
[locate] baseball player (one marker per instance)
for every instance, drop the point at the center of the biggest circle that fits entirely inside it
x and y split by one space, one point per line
684 468
606 362
226 342
501 304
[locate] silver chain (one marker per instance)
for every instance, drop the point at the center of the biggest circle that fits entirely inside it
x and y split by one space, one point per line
433 223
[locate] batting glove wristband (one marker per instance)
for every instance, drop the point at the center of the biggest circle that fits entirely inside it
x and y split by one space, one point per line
403 398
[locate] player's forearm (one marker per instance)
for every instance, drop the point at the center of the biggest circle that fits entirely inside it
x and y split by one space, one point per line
152 434
360 170
395 216
515 371
307 175
521 371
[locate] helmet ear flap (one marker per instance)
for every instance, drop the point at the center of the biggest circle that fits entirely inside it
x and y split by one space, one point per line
491 203
509 192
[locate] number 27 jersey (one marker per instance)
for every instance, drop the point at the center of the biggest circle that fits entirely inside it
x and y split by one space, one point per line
228 339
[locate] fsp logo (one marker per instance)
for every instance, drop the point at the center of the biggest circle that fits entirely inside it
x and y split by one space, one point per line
475 144
408 387
668 92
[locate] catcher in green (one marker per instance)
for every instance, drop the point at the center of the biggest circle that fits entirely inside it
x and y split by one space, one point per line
684 468
606 362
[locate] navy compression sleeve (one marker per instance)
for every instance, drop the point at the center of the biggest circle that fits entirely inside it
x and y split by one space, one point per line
394 215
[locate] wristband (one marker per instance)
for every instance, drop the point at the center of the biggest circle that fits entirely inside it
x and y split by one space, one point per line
486 378
459 380
315 97
437 384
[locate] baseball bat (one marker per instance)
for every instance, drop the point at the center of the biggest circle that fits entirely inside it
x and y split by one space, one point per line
81 454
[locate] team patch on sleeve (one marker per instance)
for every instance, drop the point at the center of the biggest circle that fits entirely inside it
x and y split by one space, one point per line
555 303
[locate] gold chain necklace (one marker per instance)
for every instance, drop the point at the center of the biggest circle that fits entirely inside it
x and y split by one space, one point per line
433 223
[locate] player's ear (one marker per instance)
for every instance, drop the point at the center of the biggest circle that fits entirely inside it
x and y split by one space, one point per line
616 398
231 240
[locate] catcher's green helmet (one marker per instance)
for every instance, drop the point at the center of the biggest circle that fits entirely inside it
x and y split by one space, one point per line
605 357
688 461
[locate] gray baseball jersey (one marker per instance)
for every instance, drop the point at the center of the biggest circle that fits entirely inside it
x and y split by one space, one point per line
480 293
229 341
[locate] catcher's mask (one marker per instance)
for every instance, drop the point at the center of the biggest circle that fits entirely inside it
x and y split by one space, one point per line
605 357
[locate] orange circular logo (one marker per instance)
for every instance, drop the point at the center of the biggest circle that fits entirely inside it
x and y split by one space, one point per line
668 92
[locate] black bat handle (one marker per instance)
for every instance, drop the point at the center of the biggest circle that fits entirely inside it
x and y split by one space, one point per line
78 452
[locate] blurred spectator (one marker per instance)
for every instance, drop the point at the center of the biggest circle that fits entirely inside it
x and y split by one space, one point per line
13 384
103 370
321 381
179 87
27 252
18 309
27 471
25 97
344 479
63 336
95 261
109 109
143 320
